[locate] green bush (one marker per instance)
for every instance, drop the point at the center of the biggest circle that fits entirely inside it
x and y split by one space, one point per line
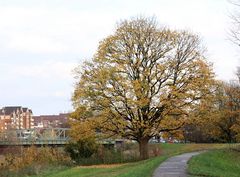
104 155
81 149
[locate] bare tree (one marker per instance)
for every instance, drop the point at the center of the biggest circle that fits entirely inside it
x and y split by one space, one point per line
238 74
235 19
234 34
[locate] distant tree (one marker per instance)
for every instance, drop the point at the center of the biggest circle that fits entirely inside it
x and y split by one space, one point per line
235 29
219 119
233 108
238 74
193 132
143 80
235 19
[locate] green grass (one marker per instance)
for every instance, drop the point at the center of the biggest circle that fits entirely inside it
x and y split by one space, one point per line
137 169
216 163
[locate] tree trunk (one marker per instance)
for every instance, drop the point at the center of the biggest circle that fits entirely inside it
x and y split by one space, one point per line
143 148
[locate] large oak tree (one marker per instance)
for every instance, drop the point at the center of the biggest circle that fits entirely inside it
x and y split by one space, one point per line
143 80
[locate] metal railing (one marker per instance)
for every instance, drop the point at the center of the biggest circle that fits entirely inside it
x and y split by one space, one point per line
38 136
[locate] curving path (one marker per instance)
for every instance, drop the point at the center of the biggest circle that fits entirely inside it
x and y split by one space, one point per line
175 166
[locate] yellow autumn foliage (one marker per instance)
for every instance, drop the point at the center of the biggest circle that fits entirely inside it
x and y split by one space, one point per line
143 80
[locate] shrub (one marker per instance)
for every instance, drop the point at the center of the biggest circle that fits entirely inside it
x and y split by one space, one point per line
32 160
81 149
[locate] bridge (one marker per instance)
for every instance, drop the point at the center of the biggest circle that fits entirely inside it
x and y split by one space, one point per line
37 136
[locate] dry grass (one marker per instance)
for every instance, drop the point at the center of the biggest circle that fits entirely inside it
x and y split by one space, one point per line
31 161
2 159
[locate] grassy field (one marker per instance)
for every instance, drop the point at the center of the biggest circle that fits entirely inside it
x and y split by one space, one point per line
216 163
139 169
136 169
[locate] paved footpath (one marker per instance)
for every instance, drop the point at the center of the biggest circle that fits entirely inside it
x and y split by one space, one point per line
175 166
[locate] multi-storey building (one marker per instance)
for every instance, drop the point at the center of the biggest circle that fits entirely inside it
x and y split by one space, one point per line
51 121
15 117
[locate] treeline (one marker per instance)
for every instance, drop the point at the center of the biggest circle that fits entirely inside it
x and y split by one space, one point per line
216 119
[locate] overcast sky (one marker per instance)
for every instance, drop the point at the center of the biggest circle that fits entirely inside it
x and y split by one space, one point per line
43 40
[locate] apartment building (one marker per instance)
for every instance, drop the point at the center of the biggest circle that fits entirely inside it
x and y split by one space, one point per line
15 117
51 121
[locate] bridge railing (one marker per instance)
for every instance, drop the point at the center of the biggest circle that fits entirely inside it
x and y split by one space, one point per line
35 136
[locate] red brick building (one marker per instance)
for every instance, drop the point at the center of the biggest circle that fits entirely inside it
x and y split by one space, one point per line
15 117
51 121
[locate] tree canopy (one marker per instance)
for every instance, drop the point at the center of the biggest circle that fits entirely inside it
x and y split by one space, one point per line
143 80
